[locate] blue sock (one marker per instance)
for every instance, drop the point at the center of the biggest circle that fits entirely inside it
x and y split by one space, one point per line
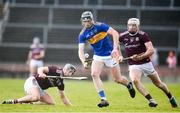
129 86
102 95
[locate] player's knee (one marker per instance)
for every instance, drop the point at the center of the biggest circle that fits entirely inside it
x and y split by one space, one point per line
135 81
35 98
94 76
118 80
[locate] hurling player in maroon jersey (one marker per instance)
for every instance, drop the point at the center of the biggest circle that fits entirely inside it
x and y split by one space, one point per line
36 85
139 47
35 56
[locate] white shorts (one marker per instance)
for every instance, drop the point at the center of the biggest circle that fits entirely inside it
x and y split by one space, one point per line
36 63
32 83
108 61
147 68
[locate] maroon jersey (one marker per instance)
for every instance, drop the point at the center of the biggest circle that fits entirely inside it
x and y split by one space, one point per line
135 45
36 50
45 83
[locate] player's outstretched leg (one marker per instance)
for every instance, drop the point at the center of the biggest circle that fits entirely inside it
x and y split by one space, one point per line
157 82
103 103
131 89
116 73
14 101
173 102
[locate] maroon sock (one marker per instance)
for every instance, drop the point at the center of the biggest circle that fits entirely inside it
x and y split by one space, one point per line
169 95
148 97
15 101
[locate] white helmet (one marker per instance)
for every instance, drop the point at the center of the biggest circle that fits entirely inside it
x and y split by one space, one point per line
134 21
87 15
71 67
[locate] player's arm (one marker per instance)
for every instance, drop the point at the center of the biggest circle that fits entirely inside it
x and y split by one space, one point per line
116 53
29 57
115 37
64 98
42 70
147 54
81 54
149 50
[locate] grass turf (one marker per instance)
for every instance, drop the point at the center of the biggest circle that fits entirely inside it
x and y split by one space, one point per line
84 98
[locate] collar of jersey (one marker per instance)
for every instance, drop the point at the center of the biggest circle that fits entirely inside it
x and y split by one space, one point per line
90 27
133 34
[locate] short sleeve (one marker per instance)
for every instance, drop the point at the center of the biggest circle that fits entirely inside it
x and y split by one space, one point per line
104 27
145 38
52 69
81 39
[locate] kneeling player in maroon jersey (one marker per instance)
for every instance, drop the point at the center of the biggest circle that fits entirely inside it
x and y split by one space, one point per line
139 47
36 85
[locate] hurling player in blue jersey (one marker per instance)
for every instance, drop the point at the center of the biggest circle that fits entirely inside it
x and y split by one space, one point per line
138 42
96 34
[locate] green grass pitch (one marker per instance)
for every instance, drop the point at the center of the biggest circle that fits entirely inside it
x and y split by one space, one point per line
84 98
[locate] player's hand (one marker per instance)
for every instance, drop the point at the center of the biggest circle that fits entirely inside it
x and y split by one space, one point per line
86 65
115 54
137 57
42 75
120 59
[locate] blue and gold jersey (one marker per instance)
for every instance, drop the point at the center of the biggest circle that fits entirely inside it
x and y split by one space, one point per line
98 38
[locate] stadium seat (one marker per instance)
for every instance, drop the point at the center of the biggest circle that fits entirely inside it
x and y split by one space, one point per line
67 16
14 54
29 1
29 15
121 16
21 34
164 38
49 2
61 55
136 2
71 2
150 17
63 36
157 2
114 2
177 3
93 2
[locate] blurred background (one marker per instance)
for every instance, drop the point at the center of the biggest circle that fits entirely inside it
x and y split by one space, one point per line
57 24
